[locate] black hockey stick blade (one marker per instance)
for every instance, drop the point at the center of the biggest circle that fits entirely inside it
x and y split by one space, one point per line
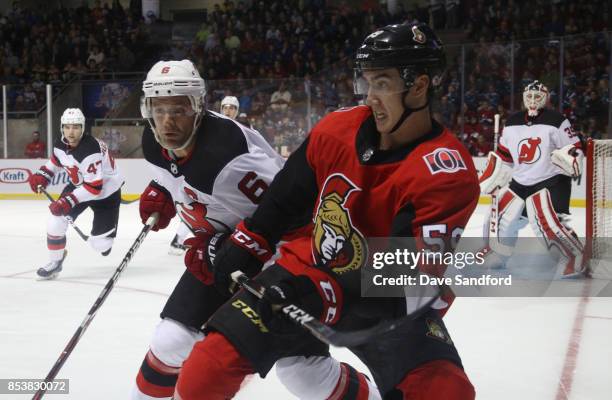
70 220
323 332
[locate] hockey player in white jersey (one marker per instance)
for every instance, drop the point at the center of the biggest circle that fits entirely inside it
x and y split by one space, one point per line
212 171
95 182
229 108
538 154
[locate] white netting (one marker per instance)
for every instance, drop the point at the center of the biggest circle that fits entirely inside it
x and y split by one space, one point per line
600 208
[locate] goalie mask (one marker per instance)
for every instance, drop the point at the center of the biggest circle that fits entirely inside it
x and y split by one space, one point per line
72 116
173 79
414 49
535 97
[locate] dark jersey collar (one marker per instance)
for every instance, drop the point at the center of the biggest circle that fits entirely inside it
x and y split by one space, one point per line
368 140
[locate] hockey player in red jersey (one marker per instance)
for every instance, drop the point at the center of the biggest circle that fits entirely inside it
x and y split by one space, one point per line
380 170
94 182
212 172
537 156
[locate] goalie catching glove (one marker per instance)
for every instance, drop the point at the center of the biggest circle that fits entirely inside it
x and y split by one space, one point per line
569 159
497 174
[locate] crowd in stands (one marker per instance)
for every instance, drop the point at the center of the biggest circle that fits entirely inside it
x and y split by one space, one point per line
525 38
39 46
289 62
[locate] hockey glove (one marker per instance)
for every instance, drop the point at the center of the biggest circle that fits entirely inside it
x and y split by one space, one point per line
63 205
298 290
245 251
569 159
156 198
201 254
42 177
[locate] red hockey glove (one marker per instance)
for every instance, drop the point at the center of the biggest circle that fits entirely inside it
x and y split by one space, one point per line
246 250
42 177
156 198
194 216
63 205
201 253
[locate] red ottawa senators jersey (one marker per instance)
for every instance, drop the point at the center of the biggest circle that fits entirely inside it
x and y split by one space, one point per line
427 189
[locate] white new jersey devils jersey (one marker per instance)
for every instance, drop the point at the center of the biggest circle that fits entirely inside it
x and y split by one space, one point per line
528 145
89 166
228 170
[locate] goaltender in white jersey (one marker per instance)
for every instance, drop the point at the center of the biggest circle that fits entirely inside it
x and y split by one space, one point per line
538 154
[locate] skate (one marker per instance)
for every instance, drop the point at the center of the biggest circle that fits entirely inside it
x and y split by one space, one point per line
176 248
52 269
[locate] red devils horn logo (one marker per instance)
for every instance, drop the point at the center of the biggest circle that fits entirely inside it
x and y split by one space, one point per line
336 243
529 150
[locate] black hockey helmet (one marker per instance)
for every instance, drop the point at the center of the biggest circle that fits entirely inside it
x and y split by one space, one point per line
412 48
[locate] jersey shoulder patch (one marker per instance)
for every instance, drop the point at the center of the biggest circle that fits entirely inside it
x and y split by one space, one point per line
444 160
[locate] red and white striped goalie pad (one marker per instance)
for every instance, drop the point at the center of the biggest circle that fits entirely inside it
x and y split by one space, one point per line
546 224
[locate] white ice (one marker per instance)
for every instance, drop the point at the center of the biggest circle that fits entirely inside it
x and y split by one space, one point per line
519 348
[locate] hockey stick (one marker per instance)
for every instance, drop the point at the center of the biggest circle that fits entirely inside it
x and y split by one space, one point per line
323 332
68 218
494 243
96 306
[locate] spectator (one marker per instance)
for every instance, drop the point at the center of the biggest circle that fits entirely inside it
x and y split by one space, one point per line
36 148
280 99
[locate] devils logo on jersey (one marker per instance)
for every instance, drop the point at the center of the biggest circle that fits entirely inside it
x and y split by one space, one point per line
337 244
74 175
529 150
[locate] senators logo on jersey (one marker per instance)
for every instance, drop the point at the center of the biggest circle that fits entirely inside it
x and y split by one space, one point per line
529 150
337 244
444 160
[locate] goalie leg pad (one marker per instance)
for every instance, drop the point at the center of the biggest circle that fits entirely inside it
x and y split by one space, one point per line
313 378
555 235
171 344
503 223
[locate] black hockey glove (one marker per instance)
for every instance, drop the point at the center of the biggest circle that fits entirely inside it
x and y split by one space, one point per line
245 251
298 290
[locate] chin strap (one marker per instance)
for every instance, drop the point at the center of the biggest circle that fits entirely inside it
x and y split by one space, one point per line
407 112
